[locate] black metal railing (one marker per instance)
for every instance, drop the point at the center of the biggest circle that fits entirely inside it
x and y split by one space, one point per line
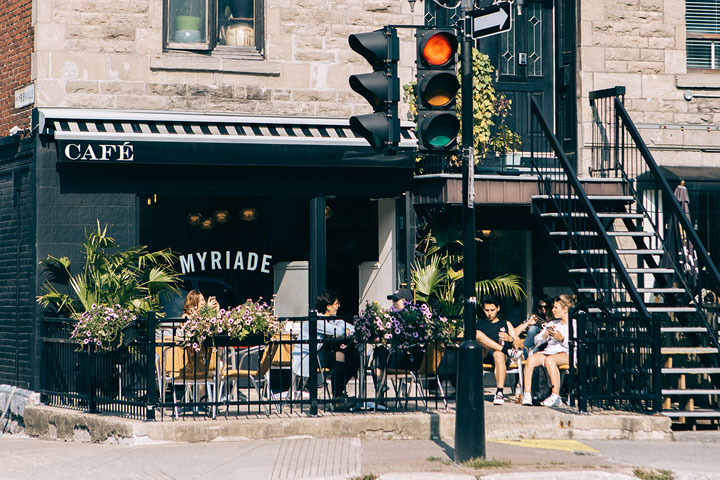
579 231
615 360
112 382
156 377
620 152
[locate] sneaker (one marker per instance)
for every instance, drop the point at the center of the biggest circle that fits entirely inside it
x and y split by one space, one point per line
552 401
527 398
499 398
516 354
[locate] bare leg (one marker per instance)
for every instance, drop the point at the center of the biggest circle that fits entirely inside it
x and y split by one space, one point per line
500 369
532 362
551 363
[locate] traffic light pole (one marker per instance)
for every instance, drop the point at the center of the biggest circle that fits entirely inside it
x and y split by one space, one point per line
470 409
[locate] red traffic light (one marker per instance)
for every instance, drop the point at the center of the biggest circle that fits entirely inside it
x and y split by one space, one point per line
438 48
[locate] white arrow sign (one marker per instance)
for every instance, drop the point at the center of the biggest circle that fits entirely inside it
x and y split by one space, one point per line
491 20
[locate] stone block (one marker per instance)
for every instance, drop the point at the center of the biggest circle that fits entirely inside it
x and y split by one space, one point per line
675 62
314 95
49 92
90 100
620 53
122 88
646 67
652 55
142 102
660 42
166 89
49 37
71 66
617 66
281 94
210 90
233 106
257 93
632 81
674 12
82 86
658 86
272 21
41 65
594 11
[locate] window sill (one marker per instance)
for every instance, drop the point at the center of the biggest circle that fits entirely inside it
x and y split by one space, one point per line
699 80
251 64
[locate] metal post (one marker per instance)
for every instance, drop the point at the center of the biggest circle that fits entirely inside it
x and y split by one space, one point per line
470 414
317 284
151 378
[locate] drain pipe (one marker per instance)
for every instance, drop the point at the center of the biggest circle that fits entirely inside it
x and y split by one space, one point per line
7 407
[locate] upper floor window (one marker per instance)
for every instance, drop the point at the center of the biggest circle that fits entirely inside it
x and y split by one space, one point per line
702 23
220 26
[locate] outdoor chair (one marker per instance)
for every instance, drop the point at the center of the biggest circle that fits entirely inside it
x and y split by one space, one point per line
182 366
404 380
250 367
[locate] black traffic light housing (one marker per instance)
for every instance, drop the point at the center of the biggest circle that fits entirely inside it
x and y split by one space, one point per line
381 88
437 86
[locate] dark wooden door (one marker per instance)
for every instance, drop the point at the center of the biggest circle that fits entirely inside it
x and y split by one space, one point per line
523 58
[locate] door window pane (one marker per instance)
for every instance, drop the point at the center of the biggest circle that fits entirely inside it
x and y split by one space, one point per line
535 36
187 21
236 23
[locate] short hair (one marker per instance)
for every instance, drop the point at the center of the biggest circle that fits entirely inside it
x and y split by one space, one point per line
326 298
192 300
487 299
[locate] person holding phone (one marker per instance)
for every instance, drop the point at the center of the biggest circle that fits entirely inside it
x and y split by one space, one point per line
497 338
534 324
556 333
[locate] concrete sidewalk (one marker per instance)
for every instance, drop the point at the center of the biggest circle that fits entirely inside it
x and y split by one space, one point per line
505 422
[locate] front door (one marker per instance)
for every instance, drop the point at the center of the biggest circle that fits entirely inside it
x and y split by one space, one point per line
523 59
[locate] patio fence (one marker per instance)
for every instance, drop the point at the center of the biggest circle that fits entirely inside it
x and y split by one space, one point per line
153 376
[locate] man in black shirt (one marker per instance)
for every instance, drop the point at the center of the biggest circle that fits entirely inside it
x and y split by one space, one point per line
496 337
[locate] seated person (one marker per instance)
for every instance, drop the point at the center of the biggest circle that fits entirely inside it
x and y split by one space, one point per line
556 334
534 324
397 360
341 359
496 337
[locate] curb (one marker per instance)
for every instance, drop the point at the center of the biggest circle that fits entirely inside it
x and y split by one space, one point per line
509 422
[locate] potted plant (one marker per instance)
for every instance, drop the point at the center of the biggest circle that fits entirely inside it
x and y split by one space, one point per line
114 289
505 143
251 321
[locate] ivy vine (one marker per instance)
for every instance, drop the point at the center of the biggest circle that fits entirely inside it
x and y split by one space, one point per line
490 109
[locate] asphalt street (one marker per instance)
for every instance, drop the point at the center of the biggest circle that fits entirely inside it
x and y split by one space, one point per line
350 458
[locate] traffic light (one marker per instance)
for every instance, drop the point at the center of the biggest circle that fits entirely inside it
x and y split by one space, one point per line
380 88
437 86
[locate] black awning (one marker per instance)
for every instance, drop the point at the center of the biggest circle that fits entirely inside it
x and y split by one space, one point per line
696 178
164 138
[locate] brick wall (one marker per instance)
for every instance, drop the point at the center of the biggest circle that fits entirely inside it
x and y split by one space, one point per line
16 37
17 263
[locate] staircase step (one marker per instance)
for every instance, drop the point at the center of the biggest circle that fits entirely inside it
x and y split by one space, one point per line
640 290
601 215
693 413
683 329
620 251
629 270
562 233
693 391
688 350
671 309
691 370
618 198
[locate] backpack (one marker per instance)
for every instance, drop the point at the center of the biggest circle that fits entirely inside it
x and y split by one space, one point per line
541 386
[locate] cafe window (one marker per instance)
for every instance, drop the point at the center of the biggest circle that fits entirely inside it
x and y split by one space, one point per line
702 24
218 26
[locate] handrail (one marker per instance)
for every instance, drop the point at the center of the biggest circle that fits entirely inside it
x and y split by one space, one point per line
587 206
665 186
607 93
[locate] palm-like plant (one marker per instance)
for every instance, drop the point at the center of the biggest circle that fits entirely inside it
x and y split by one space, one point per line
436 272
131 278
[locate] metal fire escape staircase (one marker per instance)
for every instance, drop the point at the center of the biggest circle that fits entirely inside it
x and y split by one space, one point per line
612 232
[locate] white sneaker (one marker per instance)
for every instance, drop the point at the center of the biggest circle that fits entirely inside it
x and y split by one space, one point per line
516 354
552 401
499 398
526 398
